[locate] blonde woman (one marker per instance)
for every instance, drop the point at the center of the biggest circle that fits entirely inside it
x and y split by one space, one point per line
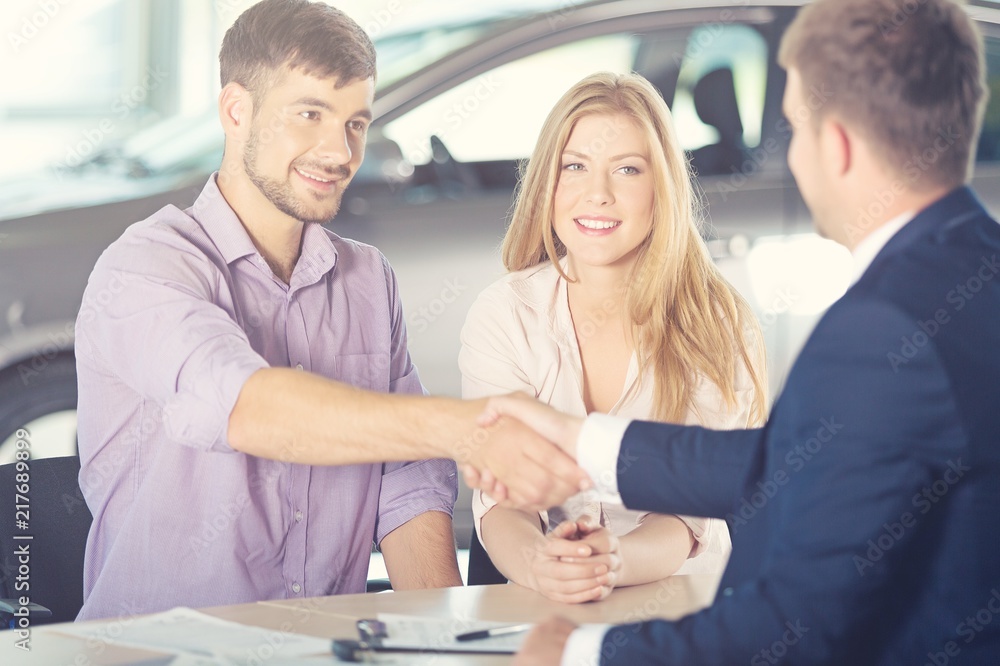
612 304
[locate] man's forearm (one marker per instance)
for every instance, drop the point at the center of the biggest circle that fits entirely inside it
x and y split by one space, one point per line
420 553
288 415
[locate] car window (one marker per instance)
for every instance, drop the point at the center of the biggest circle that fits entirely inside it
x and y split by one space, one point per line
738 48
499 114
989 140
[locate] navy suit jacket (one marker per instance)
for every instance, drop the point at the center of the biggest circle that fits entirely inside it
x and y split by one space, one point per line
865 514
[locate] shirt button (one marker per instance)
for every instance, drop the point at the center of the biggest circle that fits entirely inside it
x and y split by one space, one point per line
728 592
298 516
298 366
296 588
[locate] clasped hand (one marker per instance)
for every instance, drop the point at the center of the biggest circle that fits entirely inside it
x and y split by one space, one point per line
576 562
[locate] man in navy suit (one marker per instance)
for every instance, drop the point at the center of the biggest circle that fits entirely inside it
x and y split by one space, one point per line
865 514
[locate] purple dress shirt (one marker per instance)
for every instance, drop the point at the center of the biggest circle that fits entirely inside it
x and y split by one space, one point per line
177 314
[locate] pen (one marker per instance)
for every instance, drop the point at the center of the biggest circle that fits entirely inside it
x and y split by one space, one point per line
490 633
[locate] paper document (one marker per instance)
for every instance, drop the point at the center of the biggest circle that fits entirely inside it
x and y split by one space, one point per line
200 639
435 634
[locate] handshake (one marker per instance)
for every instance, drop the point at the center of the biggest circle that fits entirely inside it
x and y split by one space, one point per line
523 454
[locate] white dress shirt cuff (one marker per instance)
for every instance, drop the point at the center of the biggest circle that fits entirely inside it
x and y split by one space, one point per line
597 449
584 645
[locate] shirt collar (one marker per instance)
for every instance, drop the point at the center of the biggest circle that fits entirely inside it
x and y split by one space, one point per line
318 256
869 247
223 226
220 222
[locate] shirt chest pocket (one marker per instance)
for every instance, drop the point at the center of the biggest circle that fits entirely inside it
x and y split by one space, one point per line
365 371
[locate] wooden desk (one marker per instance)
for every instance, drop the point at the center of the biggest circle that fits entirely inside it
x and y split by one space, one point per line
334 617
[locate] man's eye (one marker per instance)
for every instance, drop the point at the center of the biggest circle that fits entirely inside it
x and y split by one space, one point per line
310 115
357 125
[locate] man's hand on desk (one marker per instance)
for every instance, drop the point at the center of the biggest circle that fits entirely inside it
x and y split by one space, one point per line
544 645
494 478
506 455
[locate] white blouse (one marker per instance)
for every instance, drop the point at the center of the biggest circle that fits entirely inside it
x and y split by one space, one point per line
519 336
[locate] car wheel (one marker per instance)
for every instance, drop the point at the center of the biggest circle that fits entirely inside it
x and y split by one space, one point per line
35 389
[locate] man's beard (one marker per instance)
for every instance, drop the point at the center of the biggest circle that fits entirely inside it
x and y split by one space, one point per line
281 194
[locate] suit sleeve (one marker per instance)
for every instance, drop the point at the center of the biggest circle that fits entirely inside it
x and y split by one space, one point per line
858 439
710 458
686 469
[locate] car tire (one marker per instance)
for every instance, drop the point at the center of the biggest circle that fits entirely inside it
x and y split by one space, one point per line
35 388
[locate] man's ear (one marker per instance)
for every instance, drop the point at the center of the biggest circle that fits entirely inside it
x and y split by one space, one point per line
836 144
235 111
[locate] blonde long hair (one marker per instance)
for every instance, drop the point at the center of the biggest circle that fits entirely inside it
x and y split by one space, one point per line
687 321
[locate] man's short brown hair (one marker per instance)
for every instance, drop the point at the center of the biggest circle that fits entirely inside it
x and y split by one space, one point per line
313 36
908 74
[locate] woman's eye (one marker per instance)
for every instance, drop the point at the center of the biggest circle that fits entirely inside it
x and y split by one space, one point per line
629 170
572 166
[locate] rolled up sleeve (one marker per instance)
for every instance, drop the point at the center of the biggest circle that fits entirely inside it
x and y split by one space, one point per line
410 489
701 530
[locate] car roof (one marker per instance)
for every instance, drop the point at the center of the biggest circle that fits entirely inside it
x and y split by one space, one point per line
514 37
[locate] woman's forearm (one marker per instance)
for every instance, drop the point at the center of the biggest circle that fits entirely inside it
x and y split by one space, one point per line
654 550
513 538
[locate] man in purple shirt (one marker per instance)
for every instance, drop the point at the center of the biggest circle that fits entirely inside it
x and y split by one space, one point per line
221 463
